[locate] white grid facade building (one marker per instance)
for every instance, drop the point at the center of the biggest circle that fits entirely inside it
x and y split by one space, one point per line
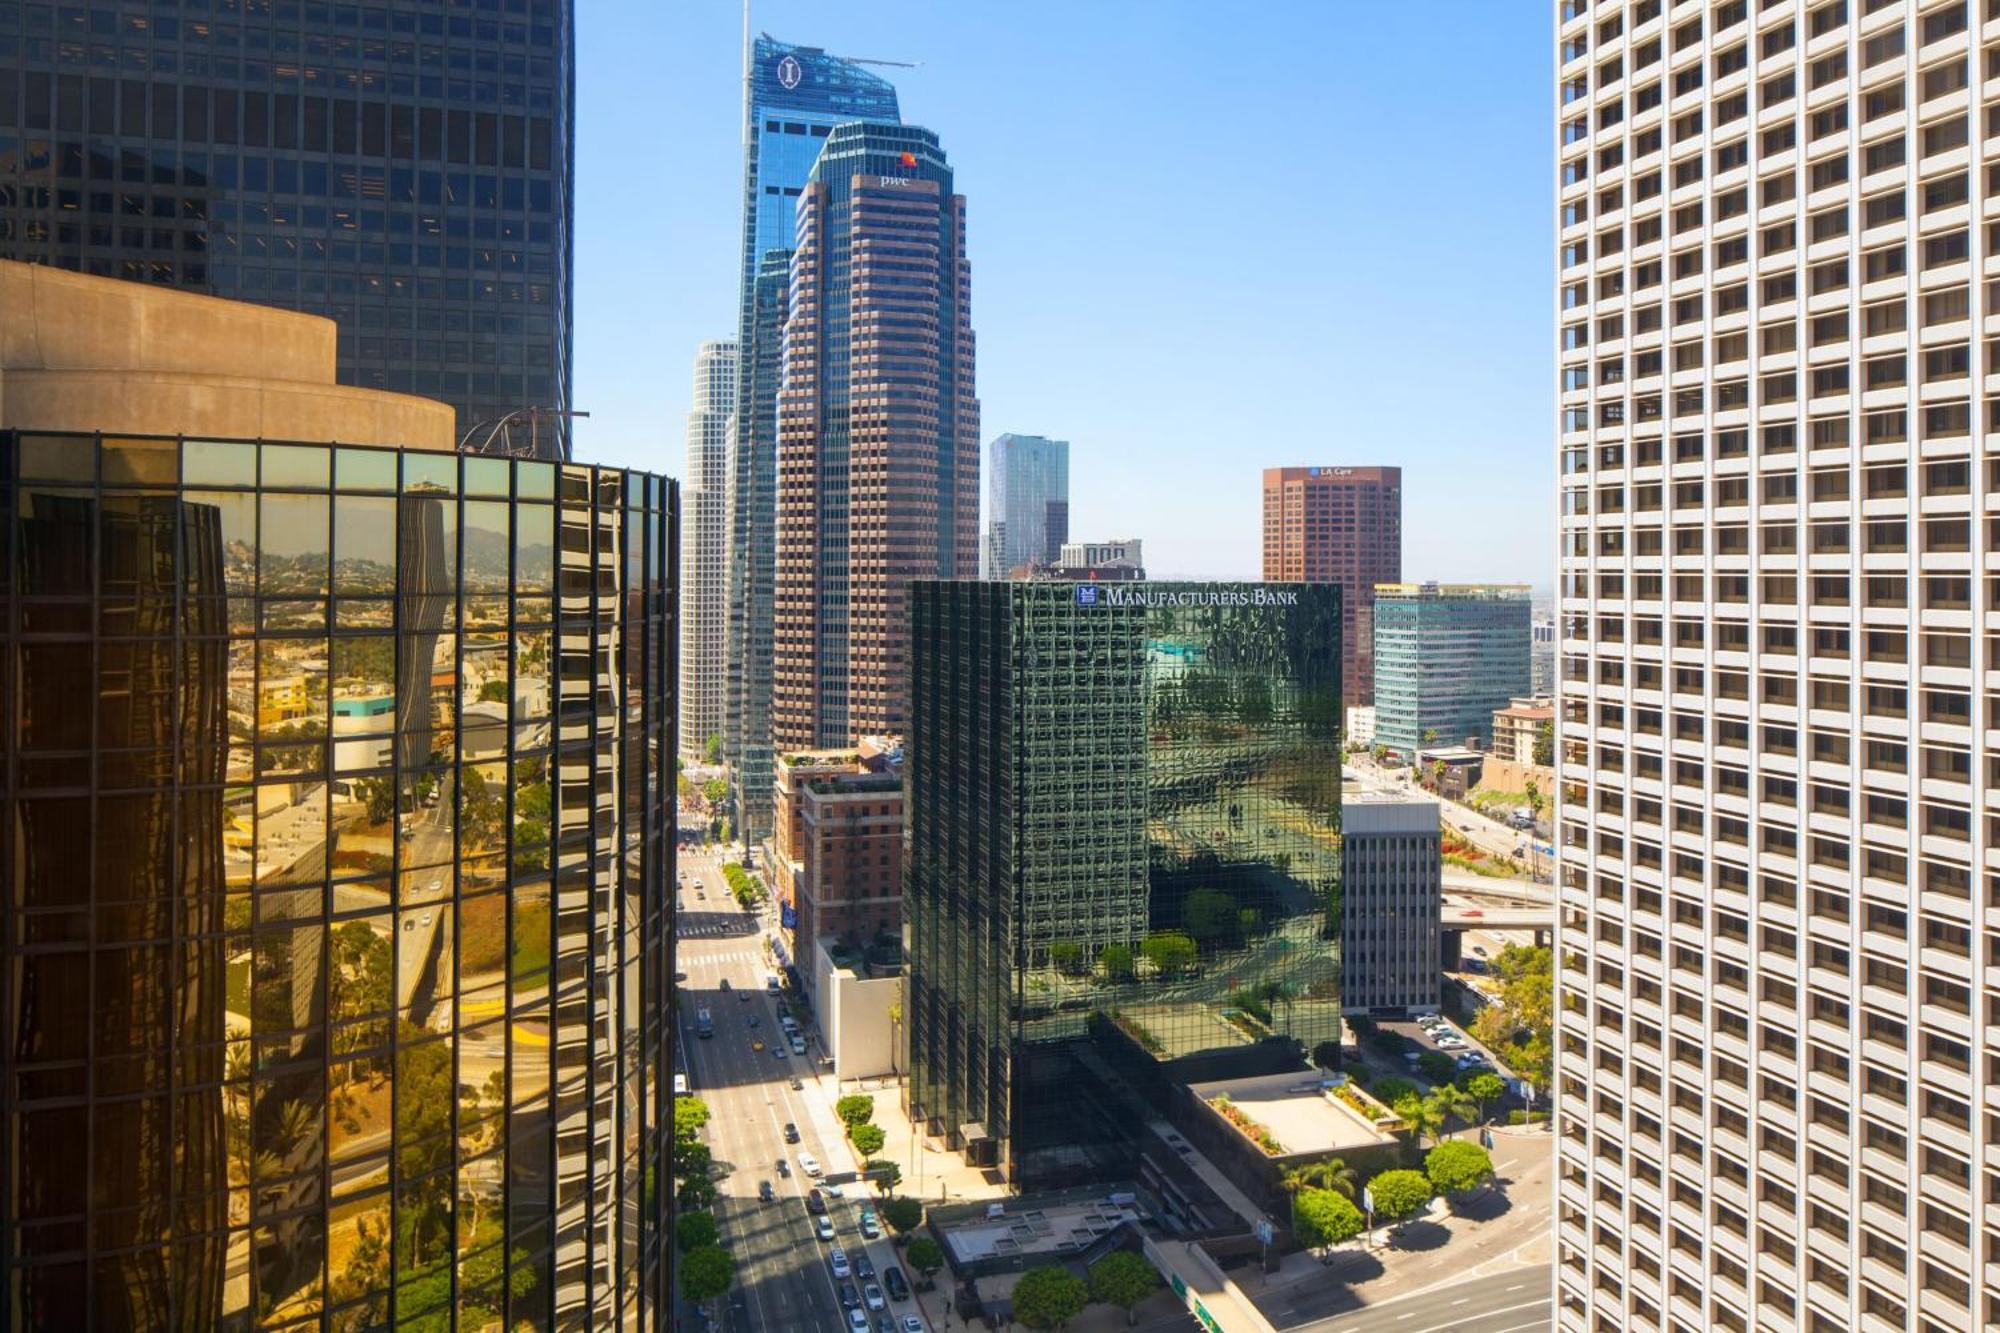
1778 326
705 547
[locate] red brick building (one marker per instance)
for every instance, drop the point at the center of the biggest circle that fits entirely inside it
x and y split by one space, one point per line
1339 525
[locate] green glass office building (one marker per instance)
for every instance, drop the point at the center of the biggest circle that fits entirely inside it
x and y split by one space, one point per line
1123 863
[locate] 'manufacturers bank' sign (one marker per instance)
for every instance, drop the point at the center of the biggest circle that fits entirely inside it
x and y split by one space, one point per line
1092 594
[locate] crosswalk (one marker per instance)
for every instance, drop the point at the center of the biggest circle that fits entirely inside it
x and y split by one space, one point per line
727 958
710 928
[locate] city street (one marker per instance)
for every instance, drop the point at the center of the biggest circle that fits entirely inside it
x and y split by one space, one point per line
1518 1302
783 1281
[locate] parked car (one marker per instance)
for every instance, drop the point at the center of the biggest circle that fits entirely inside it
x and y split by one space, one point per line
837 1261
898 1285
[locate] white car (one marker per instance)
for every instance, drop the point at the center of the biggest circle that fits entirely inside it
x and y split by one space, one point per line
912 1324
837 1260
823 1228
809 1164
798 1045
872 1295
857 1320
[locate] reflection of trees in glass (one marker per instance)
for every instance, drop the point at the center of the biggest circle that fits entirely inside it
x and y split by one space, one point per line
1212 918
532 809
1170 952
481 807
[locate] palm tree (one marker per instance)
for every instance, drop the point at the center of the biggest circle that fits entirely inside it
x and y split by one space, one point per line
1332 1173
1423 1115
1296 1178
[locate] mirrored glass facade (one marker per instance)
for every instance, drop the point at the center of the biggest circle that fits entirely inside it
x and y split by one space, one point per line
404 168
1122 866
338 825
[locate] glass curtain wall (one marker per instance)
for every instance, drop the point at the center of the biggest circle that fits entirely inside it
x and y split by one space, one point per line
338 821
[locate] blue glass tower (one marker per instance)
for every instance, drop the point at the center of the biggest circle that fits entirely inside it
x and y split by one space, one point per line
793 97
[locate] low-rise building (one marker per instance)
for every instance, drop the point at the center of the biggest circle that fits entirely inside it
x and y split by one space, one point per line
1517 726
1360 725
836 852
1453 770
1391 903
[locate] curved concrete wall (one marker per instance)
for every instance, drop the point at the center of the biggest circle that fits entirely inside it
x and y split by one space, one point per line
95 354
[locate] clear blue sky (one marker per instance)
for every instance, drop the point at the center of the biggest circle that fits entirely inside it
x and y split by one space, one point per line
1205 239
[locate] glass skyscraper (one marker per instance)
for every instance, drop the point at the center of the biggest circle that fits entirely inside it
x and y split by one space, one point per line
403 168
1446 656
1027 503
336 831
793 96
1123 854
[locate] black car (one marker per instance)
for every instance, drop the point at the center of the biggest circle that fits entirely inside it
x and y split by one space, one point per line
864 1267
893 1280
815 1202
796 1085
849 1297
784 1167
791 1132
725 983
765 1192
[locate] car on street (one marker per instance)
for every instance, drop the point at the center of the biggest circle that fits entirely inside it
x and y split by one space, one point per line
816 1203
823 1228
725 983
912 1324
885 1323
778 1051
837 1261
743 997
898 1285
850 1299
791 1132
864 1267
796 1085
809 1164
857 1320
752 1020
1479 949
756 1044
798 1045
765 1192
833 1191
870 1228
872 1294
784 1167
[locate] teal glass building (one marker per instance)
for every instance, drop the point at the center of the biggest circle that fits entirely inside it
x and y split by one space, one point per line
1446 656
1122 863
